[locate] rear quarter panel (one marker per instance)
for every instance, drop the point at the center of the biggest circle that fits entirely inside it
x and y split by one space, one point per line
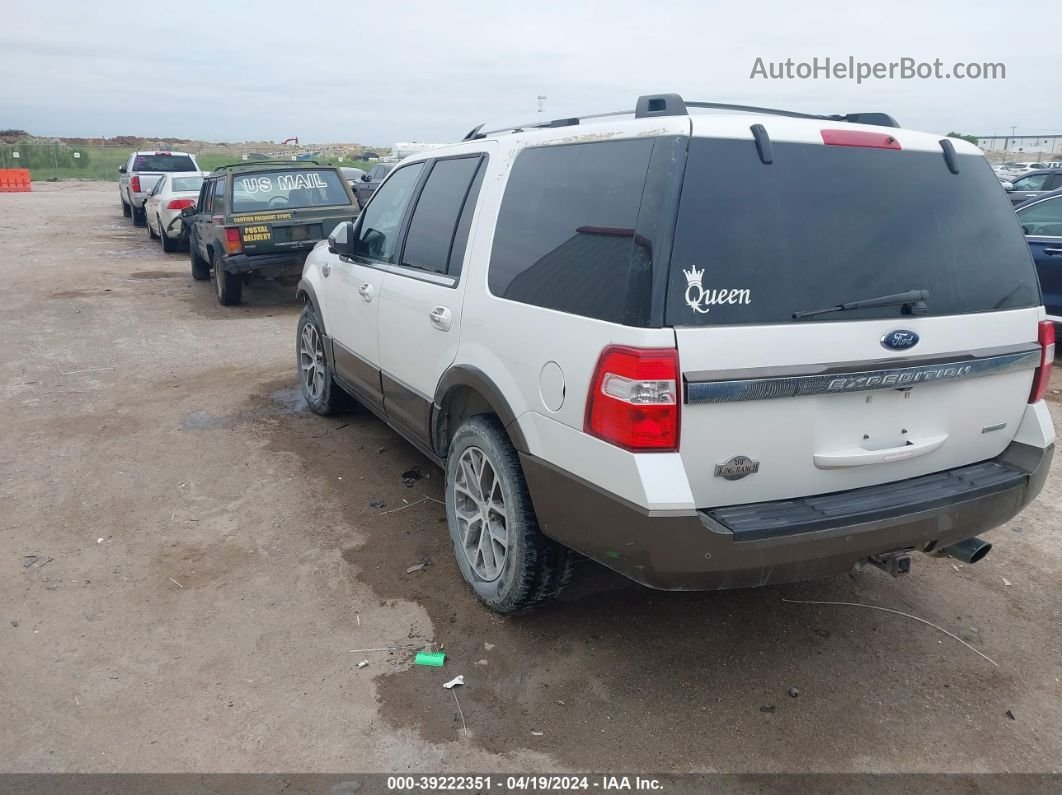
511 343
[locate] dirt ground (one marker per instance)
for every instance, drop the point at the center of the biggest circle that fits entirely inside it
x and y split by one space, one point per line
189 557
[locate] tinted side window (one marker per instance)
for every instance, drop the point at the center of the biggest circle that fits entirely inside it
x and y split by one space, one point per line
431 231
1032 182
1044 218
206 196
380 221
565 235
218 206
464 224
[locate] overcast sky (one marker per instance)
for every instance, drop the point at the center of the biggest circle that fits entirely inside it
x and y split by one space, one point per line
428 71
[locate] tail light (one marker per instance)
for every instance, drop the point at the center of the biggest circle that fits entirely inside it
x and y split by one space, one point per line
633 400
134 184
1042 376
233 244
870 140
180 204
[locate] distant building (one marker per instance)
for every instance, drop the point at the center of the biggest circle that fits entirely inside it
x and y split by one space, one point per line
1033 144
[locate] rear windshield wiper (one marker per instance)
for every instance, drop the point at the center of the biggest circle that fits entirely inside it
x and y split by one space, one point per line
913 303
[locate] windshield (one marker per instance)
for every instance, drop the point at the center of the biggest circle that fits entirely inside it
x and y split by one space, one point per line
286 190
187 184
826 225
163 162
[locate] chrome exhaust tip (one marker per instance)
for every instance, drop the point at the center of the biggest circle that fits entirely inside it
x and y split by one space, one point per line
970 551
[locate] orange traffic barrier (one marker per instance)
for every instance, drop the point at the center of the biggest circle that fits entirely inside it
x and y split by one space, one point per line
14 180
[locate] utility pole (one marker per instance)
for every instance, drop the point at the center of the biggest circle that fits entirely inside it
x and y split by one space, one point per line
541 102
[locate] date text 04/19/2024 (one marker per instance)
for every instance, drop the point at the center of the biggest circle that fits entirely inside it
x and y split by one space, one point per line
523 783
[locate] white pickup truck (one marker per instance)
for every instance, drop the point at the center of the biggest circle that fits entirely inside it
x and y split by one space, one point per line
139 175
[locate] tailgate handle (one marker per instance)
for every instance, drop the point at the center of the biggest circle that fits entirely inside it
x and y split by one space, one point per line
858 457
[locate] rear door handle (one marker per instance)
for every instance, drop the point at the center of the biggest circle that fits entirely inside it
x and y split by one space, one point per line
441 318
859 457
365 291
1054 252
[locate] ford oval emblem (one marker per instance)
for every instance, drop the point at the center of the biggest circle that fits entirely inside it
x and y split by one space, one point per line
899 340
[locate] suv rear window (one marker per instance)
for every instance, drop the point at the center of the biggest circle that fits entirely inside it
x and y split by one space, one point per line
825 225
284 190
163 163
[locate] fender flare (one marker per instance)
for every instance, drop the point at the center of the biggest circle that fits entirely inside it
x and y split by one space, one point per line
306 292
479 382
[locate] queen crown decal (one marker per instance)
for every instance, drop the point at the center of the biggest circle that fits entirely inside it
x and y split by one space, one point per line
693 276
701 300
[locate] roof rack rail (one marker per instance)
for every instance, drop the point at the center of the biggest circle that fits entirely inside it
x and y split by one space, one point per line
878 119
673 105
249 163
478 132
652 105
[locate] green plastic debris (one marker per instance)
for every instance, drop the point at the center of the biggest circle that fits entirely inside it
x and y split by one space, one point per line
432 658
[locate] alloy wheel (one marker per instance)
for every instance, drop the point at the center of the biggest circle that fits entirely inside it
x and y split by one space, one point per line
481 514
312 361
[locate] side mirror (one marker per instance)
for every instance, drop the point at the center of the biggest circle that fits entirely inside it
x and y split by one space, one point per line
188 212
121 169
366 178
1008 185
341 241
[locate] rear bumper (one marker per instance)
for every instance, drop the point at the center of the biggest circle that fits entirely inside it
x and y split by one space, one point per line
698 551
286 263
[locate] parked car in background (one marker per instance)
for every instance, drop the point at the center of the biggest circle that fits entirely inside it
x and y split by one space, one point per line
352 175
371 181
171 194
140 173
262 219
608 354
1041 220
1014 170
1033 184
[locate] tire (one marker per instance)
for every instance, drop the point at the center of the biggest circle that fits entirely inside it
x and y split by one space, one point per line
126 209
533 568
139 216
319 389
228 286
169 245
200 267
151 232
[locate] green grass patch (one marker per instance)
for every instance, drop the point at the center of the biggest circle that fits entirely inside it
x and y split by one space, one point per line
60 161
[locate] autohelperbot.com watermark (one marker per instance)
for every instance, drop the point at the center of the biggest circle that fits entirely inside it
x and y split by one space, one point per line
851 68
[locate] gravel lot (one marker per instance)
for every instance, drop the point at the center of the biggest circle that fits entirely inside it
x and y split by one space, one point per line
207 557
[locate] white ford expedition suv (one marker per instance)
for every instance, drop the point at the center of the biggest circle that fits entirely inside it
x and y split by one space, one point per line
708 351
